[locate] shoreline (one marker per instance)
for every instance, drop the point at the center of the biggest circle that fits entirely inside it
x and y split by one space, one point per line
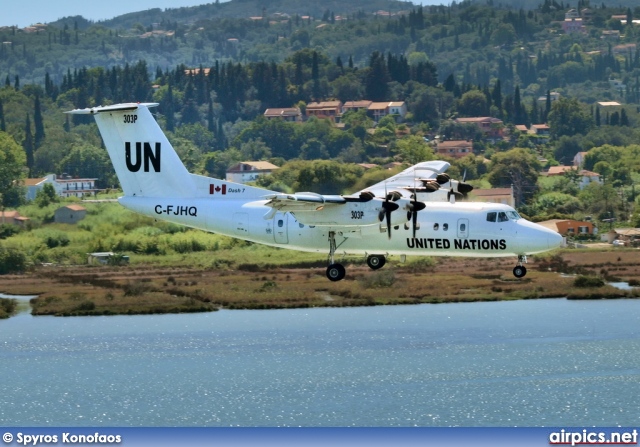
152 289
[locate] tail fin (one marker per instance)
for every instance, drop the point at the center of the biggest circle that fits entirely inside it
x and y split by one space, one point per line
145 162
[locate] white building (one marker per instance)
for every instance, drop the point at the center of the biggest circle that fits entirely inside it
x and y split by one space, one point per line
65 186
249 171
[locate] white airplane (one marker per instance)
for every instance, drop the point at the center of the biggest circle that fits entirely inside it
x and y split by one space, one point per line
385 219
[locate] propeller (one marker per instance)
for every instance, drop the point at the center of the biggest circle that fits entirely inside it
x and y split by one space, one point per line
414 206
462 189
389 206
412 214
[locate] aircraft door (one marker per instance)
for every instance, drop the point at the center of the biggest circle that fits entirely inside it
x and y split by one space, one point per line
463 228
280 231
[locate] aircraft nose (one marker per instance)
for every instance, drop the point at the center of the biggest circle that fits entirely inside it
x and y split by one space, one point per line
555 240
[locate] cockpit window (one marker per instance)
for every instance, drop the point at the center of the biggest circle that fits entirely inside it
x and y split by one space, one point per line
513 215
502 216
491 217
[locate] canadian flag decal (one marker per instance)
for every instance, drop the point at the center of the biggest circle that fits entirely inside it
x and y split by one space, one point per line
217 189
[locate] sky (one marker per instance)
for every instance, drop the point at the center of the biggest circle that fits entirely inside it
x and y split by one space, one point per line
27 12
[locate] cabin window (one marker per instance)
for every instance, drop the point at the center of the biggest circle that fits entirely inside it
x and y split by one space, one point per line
436 226
301 225
445 227
463 227
502 217
280 223
491 217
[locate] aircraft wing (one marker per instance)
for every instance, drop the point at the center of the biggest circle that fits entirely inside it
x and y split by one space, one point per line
300 202
412 177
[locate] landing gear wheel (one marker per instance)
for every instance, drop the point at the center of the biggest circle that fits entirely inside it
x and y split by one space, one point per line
376 262
519 271
336 272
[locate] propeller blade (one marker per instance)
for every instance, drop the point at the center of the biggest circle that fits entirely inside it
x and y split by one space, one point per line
385 213
413 207
414 222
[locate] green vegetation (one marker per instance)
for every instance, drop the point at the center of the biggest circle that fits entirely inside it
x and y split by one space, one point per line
462 60
7 307
214 71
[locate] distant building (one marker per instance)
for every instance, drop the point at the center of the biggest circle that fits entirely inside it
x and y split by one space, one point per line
70 214
491 128
326 109
541 130
34 185
378 110
249 171
569 227
355 106
455 148
553 96
292 114
609 104
610 34
573 26
494 195
627 236
65 186
103 258
522 128
578 160
617 84
586 177
13 218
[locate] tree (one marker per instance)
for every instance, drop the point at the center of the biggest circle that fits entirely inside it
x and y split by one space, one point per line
473 103
46 196
376 78
518 168
567 148
87 161
413 149
3 124
12 162
27 143
255 150
568 117
38 123
557 202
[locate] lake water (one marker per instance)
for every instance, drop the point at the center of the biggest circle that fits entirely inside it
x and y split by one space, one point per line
523 363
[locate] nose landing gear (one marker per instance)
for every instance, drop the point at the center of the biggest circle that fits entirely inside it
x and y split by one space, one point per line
519 271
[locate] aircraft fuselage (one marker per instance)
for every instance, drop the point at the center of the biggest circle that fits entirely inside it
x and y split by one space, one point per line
450 229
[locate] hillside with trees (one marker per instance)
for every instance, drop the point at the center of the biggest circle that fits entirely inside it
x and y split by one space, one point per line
215 69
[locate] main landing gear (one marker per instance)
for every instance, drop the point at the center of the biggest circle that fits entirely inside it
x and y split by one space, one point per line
519 271
335 271
376 262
